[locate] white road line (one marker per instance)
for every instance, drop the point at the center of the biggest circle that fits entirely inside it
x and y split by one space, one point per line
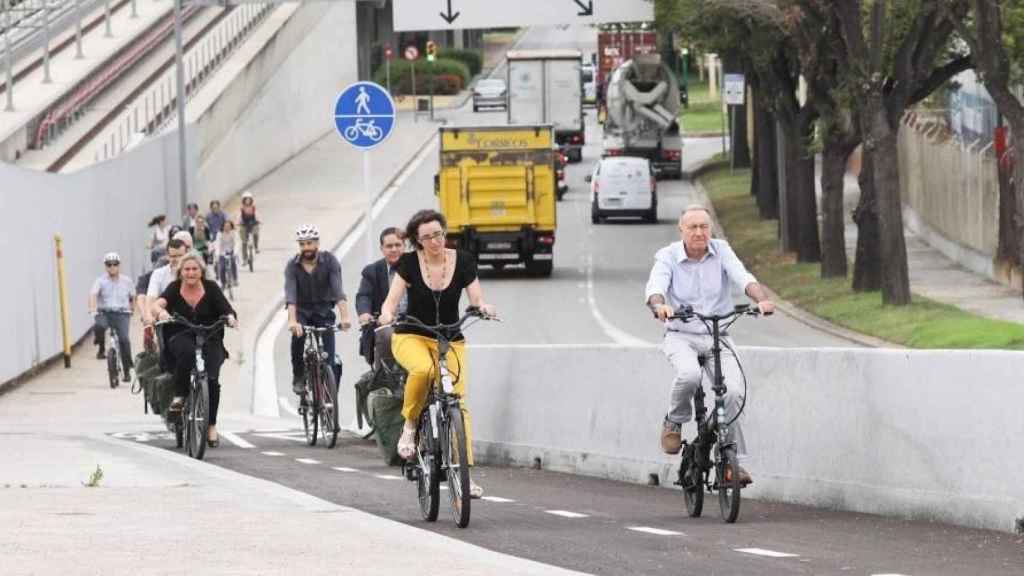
620 337
266 368
655 531
236 439
344 469
497 499
566 514
766 553
272 453
388 477
290 437
307 461
893 574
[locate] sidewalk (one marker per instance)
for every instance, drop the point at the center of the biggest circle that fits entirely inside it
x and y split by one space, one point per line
935 276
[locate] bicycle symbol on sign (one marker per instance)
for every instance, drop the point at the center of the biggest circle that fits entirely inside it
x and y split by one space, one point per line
363 128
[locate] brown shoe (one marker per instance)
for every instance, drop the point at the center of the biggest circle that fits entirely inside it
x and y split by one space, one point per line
671 437
745 478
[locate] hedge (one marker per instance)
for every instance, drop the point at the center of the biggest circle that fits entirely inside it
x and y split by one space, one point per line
473 59
451 74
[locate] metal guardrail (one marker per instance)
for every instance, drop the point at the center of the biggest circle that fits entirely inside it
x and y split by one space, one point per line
155 107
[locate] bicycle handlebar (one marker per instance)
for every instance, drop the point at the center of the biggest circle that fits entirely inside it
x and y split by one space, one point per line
471 312
687 313
178 319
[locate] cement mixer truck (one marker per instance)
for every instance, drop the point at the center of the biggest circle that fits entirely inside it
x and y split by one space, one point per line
642 99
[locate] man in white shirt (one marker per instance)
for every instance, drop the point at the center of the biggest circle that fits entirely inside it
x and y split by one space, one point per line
163 276
699 271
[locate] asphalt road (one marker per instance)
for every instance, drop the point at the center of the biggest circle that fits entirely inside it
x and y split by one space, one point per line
587 524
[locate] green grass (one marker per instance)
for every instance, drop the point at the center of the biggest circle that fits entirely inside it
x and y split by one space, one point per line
704 114
923 324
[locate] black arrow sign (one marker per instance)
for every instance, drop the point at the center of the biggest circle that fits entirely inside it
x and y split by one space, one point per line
449 17
587 9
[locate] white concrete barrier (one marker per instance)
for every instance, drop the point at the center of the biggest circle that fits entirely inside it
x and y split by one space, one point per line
916 434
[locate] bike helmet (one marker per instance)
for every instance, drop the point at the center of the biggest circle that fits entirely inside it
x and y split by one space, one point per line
246 195
307 232
112 258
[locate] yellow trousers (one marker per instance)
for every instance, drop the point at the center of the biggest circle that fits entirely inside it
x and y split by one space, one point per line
419 356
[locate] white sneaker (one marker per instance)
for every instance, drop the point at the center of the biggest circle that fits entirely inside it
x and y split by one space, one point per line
476 492
407 443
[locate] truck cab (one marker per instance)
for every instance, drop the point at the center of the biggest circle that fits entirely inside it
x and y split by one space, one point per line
497 187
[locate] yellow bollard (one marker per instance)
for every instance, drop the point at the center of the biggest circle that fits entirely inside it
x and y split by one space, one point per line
62 286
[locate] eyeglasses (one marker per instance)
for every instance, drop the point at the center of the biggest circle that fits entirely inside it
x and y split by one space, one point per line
112 264
433 236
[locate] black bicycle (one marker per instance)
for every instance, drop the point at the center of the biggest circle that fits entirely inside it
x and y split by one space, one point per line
114 362
710 450
192 426
319 403
441 450
227 273
250 240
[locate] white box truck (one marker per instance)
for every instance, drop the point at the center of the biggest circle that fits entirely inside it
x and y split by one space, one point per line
546 87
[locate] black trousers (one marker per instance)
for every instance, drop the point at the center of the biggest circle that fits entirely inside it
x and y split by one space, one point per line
320 319
183 355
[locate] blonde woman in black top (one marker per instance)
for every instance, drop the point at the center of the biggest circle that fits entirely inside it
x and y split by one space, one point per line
433 277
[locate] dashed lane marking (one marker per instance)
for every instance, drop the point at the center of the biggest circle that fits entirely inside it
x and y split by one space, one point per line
272 453
236 440
767 553
307 461
566 514
655 531
344 469
388 477
497 499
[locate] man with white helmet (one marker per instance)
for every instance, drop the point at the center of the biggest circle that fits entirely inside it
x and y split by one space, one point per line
111 302
312 290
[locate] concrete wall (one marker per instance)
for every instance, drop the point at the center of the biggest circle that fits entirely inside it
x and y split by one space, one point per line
100 209
275 97
952 192
917 434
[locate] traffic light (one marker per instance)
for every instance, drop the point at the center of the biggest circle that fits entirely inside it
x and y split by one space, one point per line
431 50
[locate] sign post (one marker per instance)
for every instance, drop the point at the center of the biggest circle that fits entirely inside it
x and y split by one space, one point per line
412 54
388 55
735 88
431 56
364 115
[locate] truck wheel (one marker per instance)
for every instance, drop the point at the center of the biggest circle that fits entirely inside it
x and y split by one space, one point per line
540 267
652 215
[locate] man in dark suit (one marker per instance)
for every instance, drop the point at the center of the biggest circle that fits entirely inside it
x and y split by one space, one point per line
374 286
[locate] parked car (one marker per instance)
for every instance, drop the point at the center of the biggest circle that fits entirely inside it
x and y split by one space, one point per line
623 186
490 93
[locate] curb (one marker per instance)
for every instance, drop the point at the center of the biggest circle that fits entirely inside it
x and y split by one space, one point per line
703 134
786 307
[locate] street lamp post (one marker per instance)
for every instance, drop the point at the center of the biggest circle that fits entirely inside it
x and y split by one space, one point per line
180 101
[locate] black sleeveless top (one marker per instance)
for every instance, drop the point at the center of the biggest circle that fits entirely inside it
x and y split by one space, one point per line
432 307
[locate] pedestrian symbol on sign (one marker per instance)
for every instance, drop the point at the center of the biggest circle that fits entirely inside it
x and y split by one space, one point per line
364 115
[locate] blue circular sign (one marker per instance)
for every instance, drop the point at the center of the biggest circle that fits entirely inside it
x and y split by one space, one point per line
364 115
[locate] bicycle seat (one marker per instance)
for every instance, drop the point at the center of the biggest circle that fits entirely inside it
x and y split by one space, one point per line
702 359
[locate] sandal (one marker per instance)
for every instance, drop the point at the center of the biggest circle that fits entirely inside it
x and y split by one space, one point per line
476 492
177 404
407 443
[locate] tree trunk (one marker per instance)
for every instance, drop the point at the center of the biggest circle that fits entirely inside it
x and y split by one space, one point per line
1007 249
738 137
789 213
809 246
833 233
1017 127
895 272
755 159
867 267
766 164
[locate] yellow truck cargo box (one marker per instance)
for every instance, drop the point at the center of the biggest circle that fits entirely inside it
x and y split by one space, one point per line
497 187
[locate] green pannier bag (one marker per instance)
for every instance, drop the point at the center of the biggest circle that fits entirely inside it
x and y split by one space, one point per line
386 415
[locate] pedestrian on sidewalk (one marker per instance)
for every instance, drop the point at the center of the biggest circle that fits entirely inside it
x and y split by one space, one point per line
312 291
200 301
111 301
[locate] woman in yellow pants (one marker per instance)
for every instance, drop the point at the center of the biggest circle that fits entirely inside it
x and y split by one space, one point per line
433 277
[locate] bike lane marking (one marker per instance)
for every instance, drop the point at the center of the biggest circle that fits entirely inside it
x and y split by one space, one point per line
766 553
567 514
272 453
388 477
497 499
655 531
307 461
236 440
344 469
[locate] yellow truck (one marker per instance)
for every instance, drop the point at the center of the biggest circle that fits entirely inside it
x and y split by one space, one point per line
497 187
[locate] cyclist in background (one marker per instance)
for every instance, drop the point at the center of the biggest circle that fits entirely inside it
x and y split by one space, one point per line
250 225
374 286
224 254
700 272
312 290
111 301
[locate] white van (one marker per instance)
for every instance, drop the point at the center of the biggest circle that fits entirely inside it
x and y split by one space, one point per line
623 186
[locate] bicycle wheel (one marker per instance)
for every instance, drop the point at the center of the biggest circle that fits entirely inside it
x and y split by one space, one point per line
197 417
311 408
729 486
692 480
112 374
428 478
250 255
329 410
457 464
